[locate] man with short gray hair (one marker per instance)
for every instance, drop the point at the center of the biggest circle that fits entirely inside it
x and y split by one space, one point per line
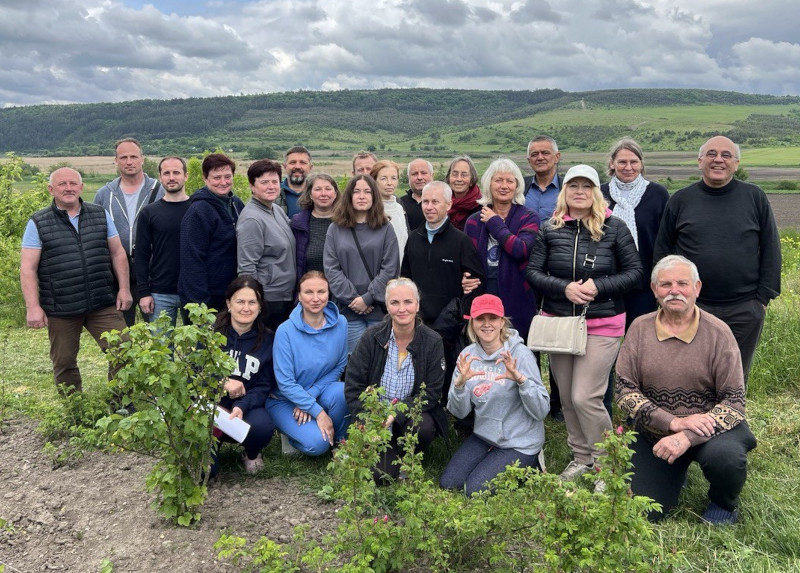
542 188
436 257
727 228
679 376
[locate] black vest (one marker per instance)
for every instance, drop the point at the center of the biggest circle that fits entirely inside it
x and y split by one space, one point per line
75 267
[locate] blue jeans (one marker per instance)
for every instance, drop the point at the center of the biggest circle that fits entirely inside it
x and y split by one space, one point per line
355 328
169 303
477 462
307 437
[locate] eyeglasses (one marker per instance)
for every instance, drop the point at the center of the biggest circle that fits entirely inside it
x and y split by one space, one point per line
712 154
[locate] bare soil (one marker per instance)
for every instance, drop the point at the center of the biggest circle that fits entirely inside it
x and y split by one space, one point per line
73 517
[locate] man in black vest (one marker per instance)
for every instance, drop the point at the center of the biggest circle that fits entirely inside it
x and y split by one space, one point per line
69 251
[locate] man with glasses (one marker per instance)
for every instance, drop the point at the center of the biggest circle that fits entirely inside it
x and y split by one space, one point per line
727 228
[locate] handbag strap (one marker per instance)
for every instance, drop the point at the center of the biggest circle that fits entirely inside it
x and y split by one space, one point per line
370 274
589 259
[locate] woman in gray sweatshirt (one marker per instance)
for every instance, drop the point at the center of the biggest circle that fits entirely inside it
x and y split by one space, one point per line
360 256
498 377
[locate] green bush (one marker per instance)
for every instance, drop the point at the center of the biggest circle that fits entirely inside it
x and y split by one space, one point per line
531 518
172 375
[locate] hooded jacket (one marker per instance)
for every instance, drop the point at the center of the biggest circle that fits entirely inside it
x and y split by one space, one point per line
557 260
507 415
253 368
208 246
112 198
308 360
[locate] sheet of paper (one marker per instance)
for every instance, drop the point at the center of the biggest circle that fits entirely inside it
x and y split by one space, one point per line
236 428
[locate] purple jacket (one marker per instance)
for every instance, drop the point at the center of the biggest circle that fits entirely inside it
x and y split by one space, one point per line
300 224
516 237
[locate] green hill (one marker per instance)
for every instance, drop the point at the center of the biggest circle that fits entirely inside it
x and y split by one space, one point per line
413 120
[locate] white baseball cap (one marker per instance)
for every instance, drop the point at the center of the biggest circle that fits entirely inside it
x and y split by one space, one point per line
582 171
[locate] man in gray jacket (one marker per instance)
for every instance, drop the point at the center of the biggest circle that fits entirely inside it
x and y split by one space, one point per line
124 198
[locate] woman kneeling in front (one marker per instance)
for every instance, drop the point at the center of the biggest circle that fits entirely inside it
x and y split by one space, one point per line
498 377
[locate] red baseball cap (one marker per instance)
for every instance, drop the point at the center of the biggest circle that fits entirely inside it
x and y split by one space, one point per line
486 304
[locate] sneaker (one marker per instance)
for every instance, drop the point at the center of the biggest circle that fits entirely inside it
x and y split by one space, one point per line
573 470
540 458
715 515
599 486
252 466
287 449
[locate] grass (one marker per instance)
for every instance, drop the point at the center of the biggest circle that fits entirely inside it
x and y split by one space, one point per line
765 540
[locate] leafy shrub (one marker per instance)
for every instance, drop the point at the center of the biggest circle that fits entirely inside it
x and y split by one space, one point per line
172 375
413 525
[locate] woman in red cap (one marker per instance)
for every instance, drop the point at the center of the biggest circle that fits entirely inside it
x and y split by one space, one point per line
498 377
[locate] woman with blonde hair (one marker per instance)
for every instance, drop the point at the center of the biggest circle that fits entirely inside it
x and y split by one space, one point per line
496 376
504 232
585 260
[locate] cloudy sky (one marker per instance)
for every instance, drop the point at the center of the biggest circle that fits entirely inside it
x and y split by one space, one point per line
114 50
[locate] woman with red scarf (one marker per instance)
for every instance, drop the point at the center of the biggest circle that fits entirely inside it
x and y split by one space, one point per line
463 180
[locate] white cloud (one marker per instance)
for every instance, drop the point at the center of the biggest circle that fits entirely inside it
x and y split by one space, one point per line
112 50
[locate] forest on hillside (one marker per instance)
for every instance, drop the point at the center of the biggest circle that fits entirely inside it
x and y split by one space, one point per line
347 119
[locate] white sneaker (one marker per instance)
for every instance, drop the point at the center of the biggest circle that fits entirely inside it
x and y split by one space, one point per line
542 466
252 466
573 470
287 449
599 486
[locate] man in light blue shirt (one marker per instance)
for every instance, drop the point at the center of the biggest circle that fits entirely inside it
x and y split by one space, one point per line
541 188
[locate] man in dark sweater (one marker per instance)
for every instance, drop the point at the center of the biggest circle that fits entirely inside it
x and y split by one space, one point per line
158 244
727 228
680 379
436 257
420 173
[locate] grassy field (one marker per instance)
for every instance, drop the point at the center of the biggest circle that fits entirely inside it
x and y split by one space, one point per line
765 540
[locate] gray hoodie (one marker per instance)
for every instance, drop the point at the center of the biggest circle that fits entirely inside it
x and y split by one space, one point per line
111 197
507 415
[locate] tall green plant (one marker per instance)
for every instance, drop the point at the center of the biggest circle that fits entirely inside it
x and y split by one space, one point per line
172 376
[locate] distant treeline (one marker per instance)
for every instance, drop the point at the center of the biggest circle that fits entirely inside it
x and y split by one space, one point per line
344 119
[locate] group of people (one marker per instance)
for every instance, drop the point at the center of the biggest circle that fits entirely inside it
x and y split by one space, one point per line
322 294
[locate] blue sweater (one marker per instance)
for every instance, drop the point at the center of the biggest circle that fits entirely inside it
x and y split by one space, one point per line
308 360
208 246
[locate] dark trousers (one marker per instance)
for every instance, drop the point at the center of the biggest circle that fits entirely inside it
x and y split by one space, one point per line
277 312
425 435
65 341
746 320
723 460
477 462
261 431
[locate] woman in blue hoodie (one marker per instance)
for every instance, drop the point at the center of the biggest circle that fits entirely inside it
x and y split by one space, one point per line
498 377
249 342
310 354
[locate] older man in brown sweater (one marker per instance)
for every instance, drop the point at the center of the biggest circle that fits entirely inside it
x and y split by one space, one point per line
680 379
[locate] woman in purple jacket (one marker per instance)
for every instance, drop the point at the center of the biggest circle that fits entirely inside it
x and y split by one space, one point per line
310 224
504 232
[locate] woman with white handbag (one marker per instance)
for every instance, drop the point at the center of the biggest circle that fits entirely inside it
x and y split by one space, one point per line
584 261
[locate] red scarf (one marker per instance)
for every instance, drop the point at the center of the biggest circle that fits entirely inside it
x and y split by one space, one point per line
464 206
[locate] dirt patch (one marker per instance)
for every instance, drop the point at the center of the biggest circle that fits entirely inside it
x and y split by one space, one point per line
787 209
73 517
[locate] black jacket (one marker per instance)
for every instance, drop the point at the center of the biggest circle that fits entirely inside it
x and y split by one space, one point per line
368 361
437 267
557 260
